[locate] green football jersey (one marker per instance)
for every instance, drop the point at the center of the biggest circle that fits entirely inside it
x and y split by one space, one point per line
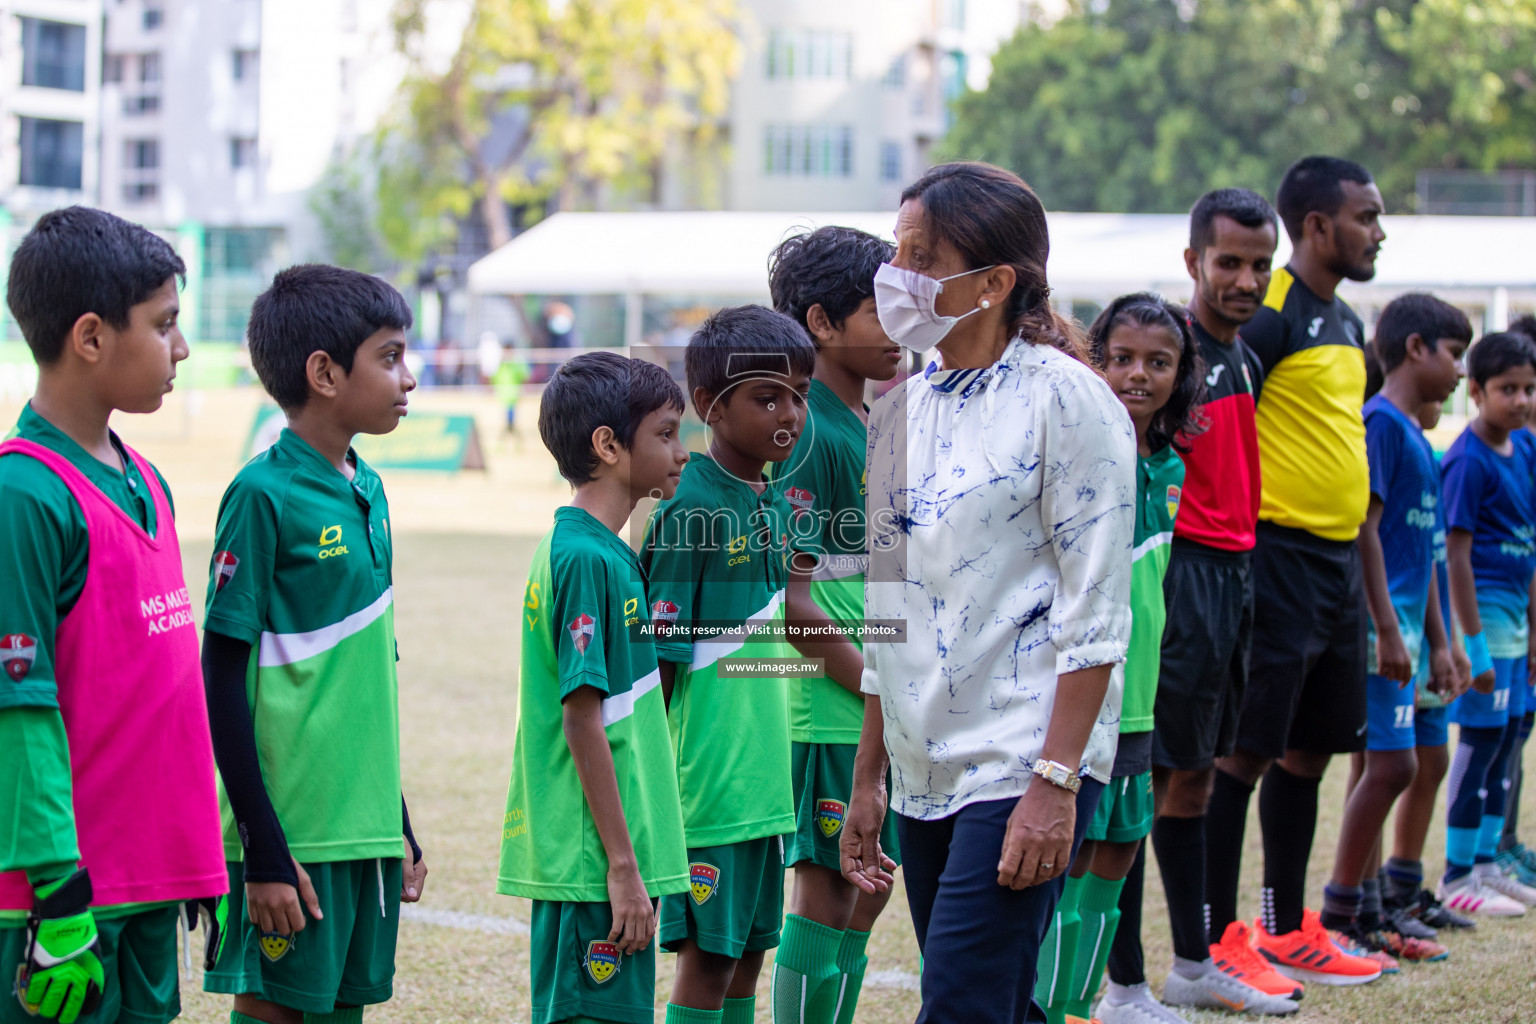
303 571
714 556
1159 481
824 482
584 613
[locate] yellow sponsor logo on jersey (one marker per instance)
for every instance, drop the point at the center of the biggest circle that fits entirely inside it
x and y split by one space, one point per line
531 603
330 542
631 611
737 549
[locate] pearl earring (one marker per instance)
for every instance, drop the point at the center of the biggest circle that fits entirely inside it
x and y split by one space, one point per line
986 303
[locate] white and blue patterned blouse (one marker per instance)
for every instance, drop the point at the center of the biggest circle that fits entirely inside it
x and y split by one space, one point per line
1001 507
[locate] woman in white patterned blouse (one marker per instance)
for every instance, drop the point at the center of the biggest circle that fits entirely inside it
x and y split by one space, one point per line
1001 490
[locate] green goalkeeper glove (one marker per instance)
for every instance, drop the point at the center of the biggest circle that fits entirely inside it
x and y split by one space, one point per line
62 977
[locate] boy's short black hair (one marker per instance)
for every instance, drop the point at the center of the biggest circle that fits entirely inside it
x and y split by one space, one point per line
741 342
1416 313
599 389
316 308
833 267
1525 325
1315 184
1498 353
79 260
1242 205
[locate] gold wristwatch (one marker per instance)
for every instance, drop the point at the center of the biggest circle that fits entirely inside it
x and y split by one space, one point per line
1057 774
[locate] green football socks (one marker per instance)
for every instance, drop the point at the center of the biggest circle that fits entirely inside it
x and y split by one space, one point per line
1098 910
348 1015
688 1015
805 972
739 1011
851 964
1058 955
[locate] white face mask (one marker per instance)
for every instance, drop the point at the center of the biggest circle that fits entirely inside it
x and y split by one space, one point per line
904 302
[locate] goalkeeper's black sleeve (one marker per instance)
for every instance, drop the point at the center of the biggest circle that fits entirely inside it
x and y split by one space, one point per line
234 748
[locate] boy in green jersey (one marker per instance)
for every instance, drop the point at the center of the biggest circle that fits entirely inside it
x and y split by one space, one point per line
96 299
299 658
593 833
825 280
1148 354
715 561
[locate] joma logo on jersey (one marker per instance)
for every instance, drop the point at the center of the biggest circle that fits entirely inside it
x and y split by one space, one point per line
602 960
275 945
1173 500
581 629
737 549
330 542
17 653
829 816
703 880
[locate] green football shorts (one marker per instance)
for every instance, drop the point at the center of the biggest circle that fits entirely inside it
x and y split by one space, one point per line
138 956
1125 810
735 901
577 972
347 957
823 775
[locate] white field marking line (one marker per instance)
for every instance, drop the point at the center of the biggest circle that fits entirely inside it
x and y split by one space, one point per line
512 926
464 922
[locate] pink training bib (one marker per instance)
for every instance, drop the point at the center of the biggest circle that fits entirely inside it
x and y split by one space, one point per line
131 693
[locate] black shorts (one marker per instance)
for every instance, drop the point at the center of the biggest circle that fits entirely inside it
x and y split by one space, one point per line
1204 672
1307 673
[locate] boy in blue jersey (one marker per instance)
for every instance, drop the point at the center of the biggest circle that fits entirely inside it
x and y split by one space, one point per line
1491 550
1419 344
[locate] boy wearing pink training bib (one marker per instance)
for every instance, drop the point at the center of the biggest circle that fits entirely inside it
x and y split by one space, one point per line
101 691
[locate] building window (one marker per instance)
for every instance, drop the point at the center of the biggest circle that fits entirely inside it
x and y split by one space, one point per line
242 153
801 53
50 152
808 150
140 103
154 17
896 74
141 154
112 68
149 69
951 81
890 161
244 68
141 191
53 54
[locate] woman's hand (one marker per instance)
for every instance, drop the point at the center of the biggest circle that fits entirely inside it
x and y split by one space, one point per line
1038 844
865 865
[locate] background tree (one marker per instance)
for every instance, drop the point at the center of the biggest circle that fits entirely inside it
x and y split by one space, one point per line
1142 105
575 101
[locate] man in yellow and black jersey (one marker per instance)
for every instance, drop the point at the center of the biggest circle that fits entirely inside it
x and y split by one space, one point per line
1306 695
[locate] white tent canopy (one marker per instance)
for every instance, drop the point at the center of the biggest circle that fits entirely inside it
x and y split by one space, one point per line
1486 261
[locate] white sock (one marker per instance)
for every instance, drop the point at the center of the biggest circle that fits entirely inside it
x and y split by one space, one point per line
1191 969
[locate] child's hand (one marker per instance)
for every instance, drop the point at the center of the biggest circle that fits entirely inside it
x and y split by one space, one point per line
279 907
1463 671
634 916
1443 677
1392 660
1484 683
413 879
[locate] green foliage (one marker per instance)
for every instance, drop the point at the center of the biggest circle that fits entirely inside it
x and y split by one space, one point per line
575 100
343 204
1142 105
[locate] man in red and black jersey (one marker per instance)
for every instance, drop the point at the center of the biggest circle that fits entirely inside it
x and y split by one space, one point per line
1209 594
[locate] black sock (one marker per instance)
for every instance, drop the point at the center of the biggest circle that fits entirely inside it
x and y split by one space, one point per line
1226 821
1288 818
1404 879
1181 856
1126 965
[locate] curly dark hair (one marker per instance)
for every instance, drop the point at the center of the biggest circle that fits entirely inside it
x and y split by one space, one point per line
1181 419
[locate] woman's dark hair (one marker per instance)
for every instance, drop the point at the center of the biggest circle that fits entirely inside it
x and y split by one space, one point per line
994 219
599 389
1498 353
1181 419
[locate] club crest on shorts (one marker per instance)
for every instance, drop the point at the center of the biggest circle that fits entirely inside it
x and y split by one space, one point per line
703 880
17 653
224 566
602 960
275 945
829 816
1173 500
581 629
